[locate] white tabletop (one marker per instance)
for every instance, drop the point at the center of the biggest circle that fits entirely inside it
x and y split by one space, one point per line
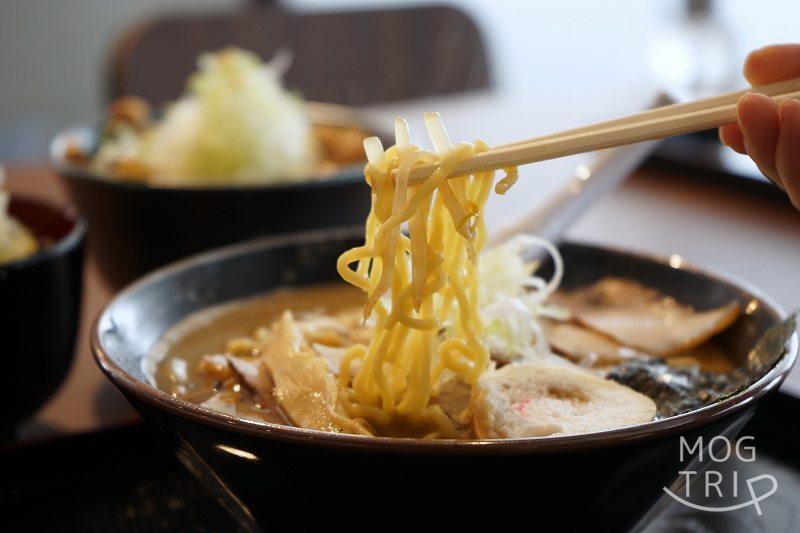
752 236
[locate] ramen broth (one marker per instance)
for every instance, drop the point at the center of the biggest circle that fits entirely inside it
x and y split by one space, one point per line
209 331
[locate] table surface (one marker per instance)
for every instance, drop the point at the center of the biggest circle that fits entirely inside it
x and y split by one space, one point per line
746 233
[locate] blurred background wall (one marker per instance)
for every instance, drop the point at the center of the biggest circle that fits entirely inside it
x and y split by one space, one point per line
53 53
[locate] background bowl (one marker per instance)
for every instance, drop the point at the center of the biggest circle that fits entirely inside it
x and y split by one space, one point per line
137 227
40 298
278 476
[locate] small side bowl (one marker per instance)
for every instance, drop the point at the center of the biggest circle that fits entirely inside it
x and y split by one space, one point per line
270 475
40 299
137 227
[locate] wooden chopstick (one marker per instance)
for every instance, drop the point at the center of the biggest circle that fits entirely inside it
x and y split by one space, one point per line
771 89
659 123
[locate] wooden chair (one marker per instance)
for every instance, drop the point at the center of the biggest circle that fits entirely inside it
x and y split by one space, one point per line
354 57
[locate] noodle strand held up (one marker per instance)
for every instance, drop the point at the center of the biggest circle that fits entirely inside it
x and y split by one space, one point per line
422 288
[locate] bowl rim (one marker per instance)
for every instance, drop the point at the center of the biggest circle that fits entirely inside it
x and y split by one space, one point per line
62 246
142 391
347 175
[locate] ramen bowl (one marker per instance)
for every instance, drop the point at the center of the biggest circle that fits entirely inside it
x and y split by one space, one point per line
136 227
278 477
40 298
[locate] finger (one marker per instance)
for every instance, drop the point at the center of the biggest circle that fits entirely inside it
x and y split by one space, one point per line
787 154
731 135
759 120
772 63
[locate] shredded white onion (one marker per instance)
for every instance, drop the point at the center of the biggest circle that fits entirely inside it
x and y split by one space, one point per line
513 299
237 123
525 242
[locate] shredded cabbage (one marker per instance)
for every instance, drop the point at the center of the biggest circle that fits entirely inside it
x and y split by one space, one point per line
236 124
513 299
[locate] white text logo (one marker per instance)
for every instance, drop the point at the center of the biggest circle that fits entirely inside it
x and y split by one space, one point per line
716 483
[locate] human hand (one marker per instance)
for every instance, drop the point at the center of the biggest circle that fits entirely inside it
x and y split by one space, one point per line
770 133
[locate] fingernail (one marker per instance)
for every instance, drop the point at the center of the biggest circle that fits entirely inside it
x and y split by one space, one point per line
742 105
758 96
749 95
754 104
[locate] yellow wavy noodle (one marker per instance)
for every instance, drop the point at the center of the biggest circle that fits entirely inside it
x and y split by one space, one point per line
422 291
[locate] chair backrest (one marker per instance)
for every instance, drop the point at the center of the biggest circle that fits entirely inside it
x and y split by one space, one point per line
354 57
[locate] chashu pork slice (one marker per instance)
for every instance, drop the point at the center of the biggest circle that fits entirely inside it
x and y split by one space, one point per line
298 378
642 318
586 346
543 400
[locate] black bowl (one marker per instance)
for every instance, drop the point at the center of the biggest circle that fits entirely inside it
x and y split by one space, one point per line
136 227
40 299
277 476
